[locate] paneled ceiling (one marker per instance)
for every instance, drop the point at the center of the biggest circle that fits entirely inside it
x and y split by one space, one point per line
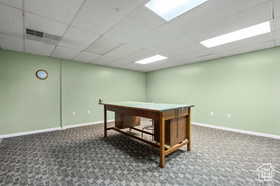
119 32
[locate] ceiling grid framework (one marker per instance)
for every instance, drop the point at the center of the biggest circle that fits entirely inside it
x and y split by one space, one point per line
62 52
118 33
114 44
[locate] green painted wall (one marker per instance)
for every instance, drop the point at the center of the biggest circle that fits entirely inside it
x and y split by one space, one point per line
84 84
28 104
246 86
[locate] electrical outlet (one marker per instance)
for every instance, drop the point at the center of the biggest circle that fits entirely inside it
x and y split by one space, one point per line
74 113
100 101
211 113
229 115
89 112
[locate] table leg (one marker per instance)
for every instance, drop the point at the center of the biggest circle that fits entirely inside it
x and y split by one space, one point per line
105 121
162 142
189 130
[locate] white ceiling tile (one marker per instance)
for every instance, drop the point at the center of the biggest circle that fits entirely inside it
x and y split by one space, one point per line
86 57
11 21
206 21
221 9
77 38
148 67
256 14
156 67
38 48
135 26
181 49
44 25
103 45
11 43
12 3
62 10
119 66
65 53
135 56
104 60
120 52
248 48
260 46
125 31
144 17
138 55
229 23
98 16
155 64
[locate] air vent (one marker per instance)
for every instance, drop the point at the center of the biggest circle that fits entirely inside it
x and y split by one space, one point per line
34 33
41 36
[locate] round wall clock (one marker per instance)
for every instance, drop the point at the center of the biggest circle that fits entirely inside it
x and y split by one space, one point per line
41 74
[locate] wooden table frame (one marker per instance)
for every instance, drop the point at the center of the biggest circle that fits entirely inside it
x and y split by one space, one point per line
160 116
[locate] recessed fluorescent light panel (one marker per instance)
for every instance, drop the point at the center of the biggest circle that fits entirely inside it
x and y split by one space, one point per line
245 33
151 59
170 9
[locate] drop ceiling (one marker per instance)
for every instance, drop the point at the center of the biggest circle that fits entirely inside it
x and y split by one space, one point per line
118 33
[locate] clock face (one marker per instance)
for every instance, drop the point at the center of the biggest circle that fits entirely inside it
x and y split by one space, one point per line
42 74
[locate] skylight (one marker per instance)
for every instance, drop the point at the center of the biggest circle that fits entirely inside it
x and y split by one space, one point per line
170 9
245 33
151 59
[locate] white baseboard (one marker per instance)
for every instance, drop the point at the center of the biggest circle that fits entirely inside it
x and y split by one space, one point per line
29 132
50 129
238 130
84 124
100 122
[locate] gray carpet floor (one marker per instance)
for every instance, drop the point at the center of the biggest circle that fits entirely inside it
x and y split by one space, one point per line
81 156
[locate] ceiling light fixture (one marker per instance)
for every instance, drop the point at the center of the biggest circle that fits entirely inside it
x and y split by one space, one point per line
238 35
170 9
151 59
